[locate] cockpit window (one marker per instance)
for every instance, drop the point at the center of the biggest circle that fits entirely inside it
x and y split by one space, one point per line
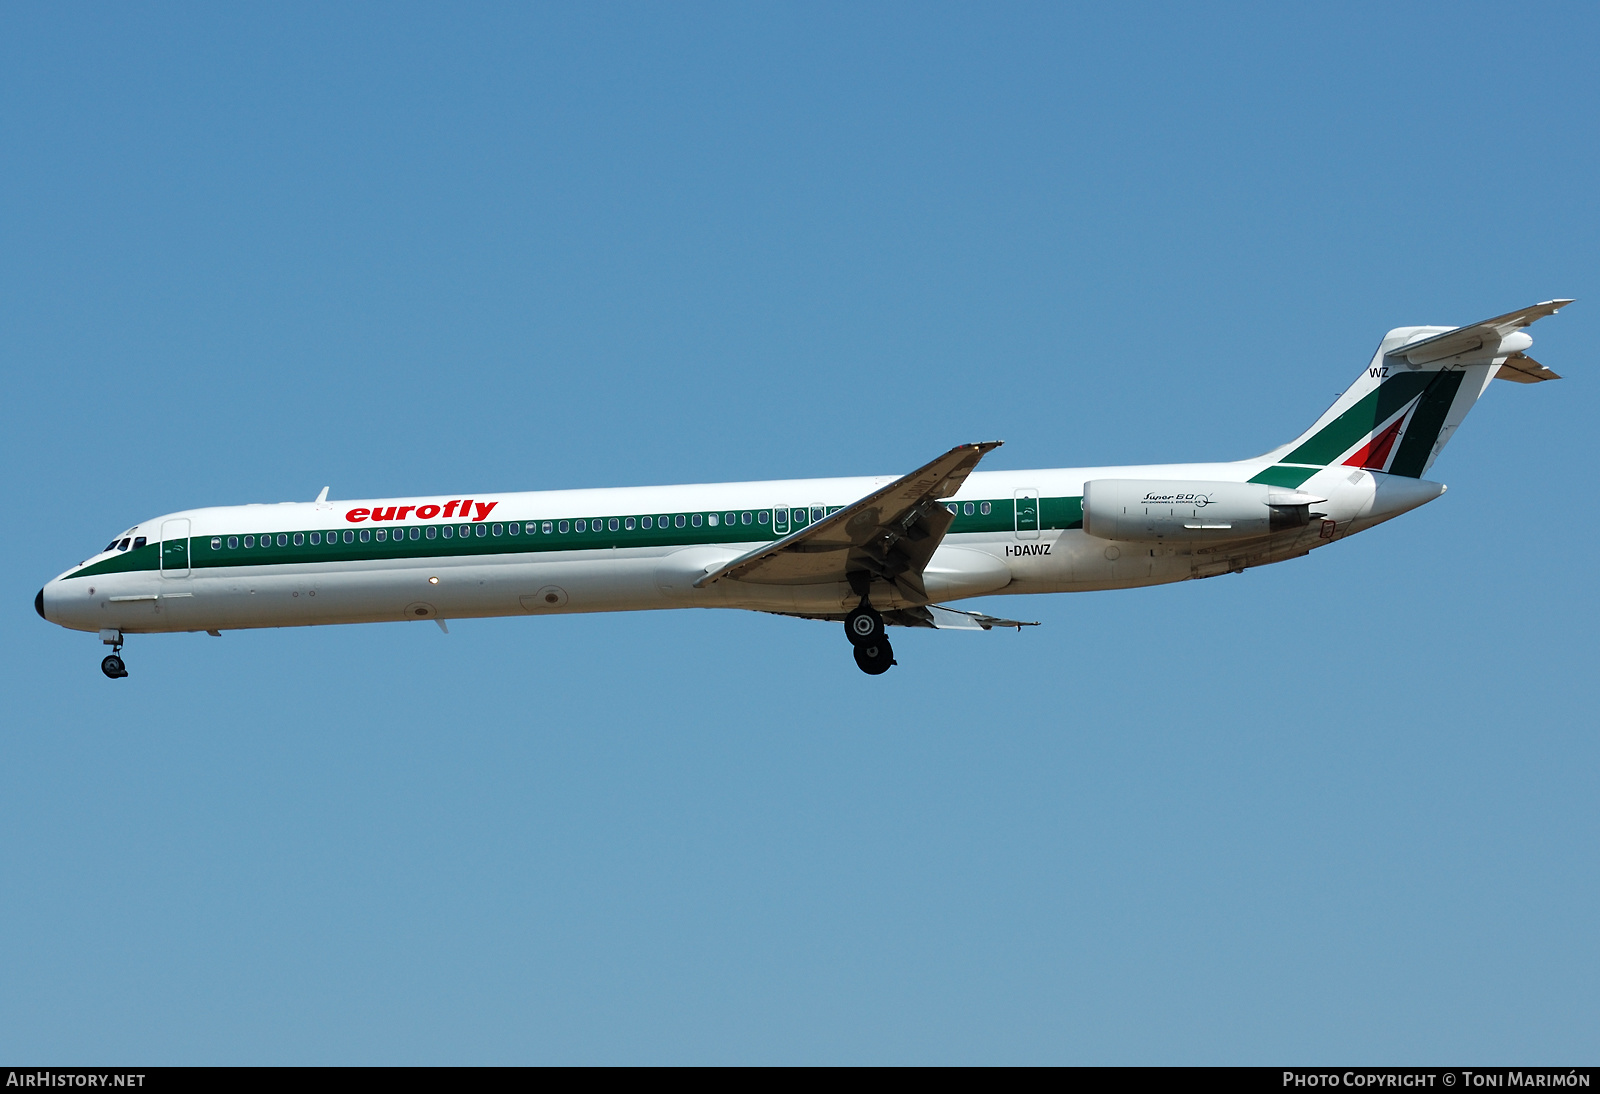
112 546
123 546
138 542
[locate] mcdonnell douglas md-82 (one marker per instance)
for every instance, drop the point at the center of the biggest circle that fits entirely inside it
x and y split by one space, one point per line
869 552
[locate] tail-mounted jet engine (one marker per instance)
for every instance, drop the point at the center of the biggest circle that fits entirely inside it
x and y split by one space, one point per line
1143 510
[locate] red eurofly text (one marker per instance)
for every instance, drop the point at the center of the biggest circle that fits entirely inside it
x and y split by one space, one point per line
424 512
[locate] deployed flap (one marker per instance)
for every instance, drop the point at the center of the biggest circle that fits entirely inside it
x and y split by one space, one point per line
948 619
953 619
1487 333
1523 369
889 534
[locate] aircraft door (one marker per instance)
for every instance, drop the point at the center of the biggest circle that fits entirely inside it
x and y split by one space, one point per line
1027 513
175 548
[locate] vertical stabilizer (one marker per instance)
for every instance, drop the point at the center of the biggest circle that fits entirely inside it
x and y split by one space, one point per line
1406 405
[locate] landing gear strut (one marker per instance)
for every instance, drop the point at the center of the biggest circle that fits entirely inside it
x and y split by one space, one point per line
864 628
112 665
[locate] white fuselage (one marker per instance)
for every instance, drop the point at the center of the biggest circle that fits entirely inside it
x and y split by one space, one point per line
326 562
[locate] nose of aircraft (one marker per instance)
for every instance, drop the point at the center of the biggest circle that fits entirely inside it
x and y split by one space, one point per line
38 604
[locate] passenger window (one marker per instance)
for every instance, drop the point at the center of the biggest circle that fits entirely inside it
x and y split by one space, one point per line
817 513
646 522
629 524
711 519
283 539
349 536
580 526
299 539
744 518
233 543
514 529
499 529
968 508
433 531
383 535
466 530
366 535
449 531
483 530
761 517
985 508
316 538
696 520
249 541
216 543
564 526
678 521
663 521
416 533
545 528
613 524
532 528
730 518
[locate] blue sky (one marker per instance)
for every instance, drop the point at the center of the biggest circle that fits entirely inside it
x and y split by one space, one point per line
1338 809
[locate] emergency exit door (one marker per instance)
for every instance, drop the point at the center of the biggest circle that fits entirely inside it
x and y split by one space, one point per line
1027 514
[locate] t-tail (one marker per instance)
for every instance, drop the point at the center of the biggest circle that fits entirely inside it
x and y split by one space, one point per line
1406 405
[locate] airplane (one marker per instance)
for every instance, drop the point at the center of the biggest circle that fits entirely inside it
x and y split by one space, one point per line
868 552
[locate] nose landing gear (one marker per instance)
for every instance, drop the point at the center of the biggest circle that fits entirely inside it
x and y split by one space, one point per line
113 665
864 628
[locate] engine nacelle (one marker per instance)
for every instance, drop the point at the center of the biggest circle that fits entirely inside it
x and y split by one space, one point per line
1147 510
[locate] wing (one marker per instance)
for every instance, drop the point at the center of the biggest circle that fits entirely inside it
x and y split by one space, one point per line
889 534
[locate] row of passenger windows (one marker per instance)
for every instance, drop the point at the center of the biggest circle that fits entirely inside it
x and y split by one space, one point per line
758 518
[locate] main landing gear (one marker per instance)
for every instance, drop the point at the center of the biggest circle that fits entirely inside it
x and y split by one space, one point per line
113 665
864 628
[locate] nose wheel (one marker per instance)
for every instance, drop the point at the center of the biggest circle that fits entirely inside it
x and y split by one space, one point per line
864 628
112 665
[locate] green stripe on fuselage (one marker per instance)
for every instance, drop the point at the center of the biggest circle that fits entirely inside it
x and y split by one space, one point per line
466 540
1289 477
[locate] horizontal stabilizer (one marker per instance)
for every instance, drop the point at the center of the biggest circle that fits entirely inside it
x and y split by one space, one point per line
1522 369
1486 334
